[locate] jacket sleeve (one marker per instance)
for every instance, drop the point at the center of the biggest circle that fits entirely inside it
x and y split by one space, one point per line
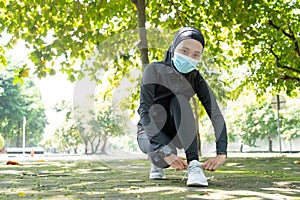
209 102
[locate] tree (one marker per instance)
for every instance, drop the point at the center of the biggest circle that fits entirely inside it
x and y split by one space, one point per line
254 119
108 123
258 122
67 136
90 127
17 101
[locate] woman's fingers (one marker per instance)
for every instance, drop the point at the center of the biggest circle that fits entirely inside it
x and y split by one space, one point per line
212 163
176 162
180 164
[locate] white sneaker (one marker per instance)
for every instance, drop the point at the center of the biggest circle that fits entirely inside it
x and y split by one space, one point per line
196 176
157 173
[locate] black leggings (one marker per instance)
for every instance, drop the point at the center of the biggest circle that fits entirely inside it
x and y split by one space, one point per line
179 131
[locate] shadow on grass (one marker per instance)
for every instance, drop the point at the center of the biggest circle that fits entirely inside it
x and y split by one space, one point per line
259 178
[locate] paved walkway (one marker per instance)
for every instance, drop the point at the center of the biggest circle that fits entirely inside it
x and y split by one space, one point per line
121 155
112 155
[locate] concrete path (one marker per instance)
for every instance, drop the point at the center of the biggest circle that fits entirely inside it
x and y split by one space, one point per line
121 155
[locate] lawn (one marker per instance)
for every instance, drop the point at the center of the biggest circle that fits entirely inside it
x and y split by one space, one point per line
239 178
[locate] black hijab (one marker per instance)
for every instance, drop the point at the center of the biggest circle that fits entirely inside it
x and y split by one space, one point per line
184 33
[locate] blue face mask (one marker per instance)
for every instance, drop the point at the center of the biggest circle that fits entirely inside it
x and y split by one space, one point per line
184 64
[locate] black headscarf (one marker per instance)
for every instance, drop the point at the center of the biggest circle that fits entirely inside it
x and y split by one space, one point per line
184 33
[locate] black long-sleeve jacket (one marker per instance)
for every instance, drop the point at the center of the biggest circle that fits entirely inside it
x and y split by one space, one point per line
160 82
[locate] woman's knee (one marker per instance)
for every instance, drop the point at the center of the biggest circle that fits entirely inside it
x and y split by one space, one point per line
144 143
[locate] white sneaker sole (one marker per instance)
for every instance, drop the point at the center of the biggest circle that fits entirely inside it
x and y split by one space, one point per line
197 184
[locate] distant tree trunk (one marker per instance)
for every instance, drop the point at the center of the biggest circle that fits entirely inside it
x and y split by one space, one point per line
86 143
270 144
97 144
19 134
91 141
143 42
75 150
103 148
197 125
241 148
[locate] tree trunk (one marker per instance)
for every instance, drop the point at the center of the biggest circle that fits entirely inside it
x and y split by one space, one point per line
86 143
143 42
91 141
270 144
103 148
197 125
75 150
97 145
19 135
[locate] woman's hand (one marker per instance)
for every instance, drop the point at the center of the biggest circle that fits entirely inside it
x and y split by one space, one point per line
212 163
176 162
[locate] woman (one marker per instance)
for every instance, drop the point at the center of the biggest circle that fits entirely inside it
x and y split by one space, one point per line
166 118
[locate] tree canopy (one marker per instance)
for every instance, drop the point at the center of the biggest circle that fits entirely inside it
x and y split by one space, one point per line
261 36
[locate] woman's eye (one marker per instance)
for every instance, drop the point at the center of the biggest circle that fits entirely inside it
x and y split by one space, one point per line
185 52
196 56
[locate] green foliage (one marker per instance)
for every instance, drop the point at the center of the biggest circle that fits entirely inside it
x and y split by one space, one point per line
93 128
290 124
269 35
261 35
68 137
63 29
107 123
259 121
254 120
1 141
17 101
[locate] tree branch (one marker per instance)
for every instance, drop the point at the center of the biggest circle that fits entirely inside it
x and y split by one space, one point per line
134 2
290 35
297 47
178 11
279 64
287 77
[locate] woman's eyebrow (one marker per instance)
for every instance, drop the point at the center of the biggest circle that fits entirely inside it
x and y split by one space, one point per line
186 48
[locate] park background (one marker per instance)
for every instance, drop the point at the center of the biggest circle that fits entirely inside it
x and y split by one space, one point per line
73 70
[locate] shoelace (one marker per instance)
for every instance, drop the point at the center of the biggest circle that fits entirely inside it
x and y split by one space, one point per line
186 173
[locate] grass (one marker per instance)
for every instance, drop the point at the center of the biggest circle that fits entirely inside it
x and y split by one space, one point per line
239 178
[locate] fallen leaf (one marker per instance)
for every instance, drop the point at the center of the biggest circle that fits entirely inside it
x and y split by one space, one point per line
21 194
12 162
